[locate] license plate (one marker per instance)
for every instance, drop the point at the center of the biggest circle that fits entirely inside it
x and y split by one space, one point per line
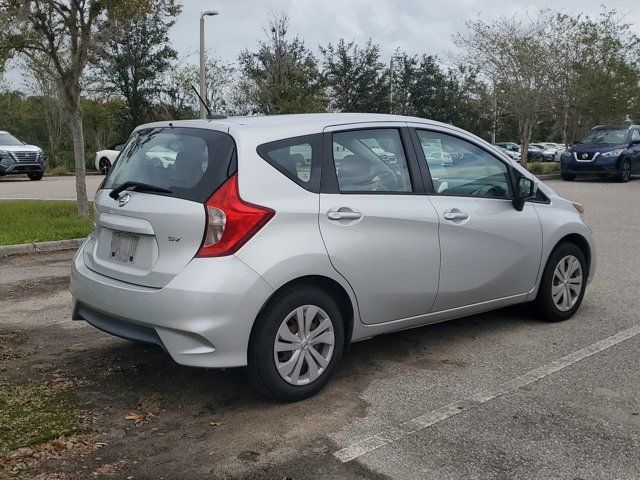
123 247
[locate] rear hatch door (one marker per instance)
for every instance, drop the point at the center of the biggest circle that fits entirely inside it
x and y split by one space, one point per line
147 237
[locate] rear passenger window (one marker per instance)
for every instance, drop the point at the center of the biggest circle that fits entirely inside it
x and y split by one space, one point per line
371 160
297 158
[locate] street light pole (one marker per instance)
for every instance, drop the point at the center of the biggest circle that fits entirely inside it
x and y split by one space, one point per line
393 57
203 85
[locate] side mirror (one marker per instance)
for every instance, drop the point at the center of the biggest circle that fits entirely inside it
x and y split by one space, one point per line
526 188
633 143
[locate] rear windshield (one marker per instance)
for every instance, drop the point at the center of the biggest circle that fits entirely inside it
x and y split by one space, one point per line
191 162
612 136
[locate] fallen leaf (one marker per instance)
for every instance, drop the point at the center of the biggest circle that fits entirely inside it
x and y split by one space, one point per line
215 424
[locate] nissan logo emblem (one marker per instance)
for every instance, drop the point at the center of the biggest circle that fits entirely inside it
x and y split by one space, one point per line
584 156
122 201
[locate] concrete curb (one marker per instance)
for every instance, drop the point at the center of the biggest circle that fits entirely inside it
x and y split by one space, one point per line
38 247
549 176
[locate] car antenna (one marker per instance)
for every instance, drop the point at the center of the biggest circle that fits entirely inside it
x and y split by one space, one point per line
210 114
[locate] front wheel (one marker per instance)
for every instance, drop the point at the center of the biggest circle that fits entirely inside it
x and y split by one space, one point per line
624 174
296 344
563 283
35 176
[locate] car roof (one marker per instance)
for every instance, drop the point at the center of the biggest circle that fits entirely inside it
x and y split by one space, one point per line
617 127
311 121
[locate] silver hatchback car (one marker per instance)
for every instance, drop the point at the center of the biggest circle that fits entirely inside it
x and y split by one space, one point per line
274 242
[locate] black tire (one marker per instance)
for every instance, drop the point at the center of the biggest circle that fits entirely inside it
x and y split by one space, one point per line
262 369
35 176
545 306
624 172
104 165
568 177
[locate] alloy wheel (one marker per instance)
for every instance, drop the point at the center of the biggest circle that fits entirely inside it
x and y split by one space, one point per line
566 285
104 166
304 345
625 173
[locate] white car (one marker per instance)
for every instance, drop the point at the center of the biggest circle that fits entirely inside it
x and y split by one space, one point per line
105 158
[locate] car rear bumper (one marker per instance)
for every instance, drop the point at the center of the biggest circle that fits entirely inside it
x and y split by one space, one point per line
202 318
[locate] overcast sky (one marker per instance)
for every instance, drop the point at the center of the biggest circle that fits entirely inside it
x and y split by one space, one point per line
414 26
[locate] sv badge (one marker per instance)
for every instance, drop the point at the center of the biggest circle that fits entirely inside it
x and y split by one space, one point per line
173 238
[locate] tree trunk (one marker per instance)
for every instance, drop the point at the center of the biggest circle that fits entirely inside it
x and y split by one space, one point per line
78 151
526 128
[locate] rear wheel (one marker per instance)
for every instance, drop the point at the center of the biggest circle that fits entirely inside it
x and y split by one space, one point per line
296 344
569 177
563 283
35 176
624 174
104 165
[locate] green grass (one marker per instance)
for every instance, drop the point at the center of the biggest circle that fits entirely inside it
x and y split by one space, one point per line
538 168
25 221
31 415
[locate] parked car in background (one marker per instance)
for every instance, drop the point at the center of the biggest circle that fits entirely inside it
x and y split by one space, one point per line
105 158
239 253
512 147
510 152
539 152
606 151
17 158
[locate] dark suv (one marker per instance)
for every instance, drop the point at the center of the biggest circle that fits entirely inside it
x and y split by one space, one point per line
607 151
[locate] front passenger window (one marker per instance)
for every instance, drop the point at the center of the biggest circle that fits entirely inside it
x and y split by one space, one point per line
460 168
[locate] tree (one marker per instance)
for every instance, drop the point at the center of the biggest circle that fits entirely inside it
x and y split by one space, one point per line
356 78
600 72
52 108
134 58
65 33
513 56
222 93
282 76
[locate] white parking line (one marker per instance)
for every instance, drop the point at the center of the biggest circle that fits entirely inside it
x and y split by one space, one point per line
394 433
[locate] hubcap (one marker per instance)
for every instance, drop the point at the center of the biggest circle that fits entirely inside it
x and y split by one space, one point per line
304 345
567 283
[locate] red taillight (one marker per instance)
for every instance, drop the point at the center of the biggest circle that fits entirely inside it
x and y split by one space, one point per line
230 221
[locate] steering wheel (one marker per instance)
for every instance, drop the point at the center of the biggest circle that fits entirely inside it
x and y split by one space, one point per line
386 179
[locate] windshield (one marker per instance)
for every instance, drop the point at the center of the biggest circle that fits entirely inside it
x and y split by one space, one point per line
615 136
190 162
8 139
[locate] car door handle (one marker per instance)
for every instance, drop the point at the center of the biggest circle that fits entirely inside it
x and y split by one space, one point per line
455 214
343 214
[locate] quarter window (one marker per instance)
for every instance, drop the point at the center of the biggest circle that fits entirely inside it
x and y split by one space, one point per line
371 160
298 158
461 168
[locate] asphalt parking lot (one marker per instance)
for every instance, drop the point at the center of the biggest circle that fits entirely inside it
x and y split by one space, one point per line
49 188
494 396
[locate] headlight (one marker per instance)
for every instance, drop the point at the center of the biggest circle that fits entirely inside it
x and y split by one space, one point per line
613 153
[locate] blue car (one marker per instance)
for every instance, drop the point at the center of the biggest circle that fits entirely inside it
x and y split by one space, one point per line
606 151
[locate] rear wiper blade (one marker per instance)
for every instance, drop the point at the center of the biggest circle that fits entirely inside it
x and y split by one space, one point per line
137 186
